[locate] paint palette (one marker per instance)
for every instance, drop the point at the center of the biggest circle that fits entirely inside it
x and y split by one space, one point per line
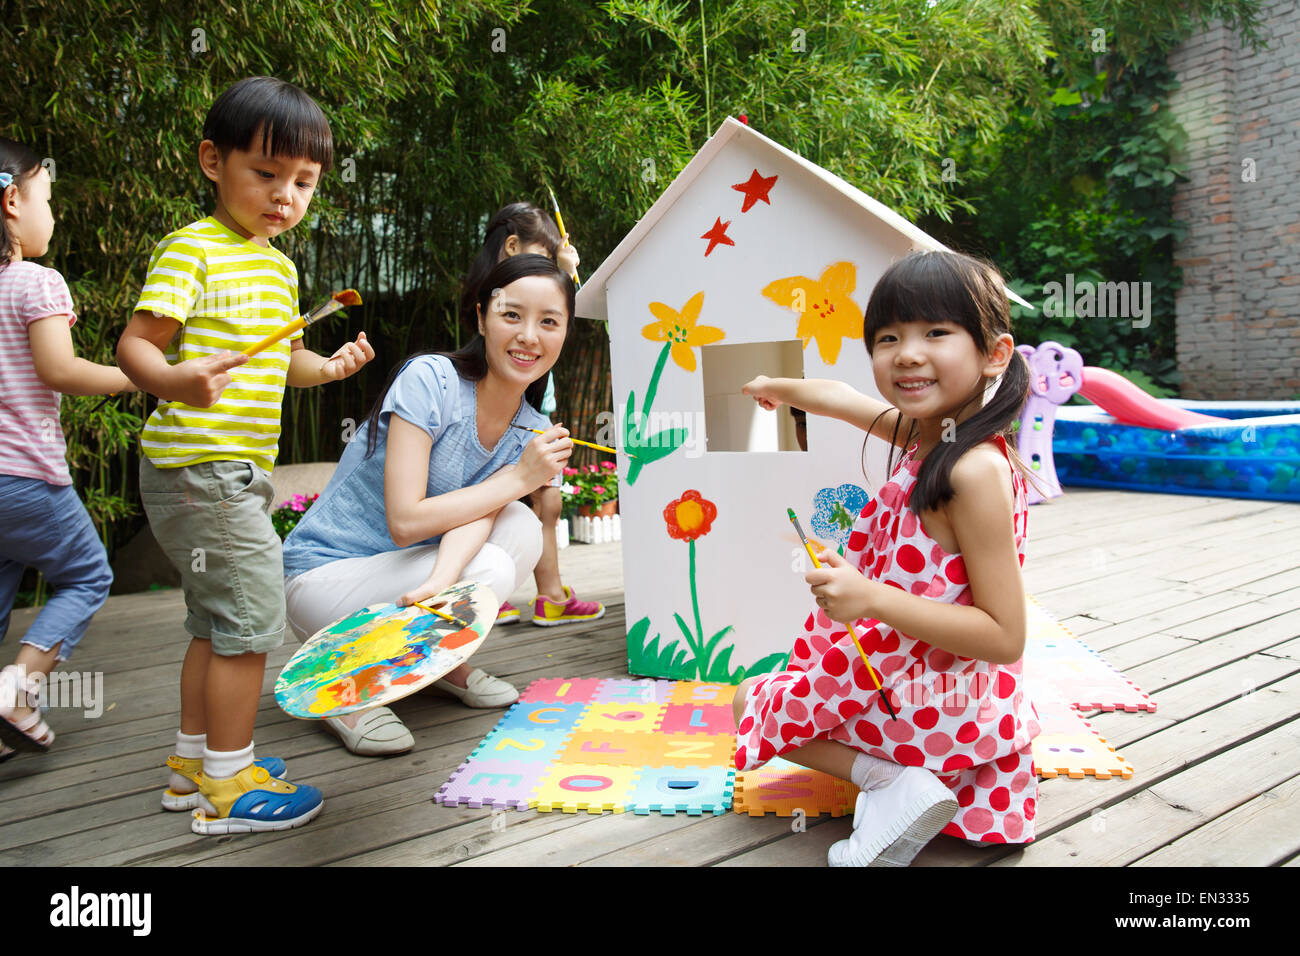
383 653
593 745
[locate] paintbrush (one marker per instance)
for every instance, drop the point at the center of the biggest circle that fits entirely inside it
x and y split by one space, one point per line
852 633
564 233
339 300
445 617
578 441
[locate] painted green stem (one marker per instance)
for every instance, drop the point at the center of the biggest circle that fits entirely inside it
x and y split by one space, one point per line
695 604
654 383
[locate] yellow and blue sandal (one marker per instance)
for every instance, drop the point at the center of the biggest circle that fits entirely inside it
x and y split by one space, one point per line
253 801
182 791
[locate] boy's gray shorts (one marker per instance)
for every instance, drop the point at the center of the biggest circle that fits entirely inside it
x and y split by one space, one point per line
213 521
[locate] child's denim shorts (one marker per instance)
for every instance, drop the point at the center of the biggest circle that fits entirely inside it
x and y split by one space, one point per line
213 521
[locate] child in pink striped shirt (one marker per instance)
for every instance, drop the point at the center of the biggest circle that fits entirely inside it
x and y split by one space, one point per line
43 523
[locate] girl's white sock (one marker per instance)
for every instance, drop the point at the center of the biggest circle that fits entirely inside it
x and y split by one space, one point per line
220 764
190 746
870 772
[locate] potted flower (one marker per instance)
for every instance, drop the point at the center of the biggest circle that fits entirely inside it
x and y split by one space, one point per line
591 491
286 517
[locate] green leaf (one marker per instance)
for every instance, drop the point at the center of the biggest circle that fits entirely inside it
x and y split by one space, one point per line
769 664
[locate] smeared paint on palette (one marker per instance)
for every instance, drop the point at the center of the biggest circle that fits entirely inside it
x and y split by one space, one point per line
383 653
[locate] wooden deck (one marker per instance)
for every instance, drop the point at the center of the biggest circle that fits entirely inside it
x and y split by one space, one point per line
1197 600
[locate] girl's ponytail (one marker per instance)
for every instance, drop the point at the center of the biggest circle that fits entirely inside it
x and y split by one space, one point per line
19 163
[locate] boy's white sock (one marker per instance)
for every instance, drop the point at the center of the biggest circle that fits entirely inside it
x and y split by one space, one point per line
870 772
190 746
220 764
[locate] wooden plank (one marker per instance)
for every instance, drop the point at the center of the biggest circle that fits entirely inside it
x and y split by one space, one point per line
1267 636
1174 748
1148 819
1277 583
608 834
1260 610
486 834
699 844
1290 649
1263 832
1144 649
807 847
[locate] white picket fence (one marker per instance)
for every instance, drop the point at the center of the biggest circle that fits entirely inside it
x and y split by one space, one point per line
593 530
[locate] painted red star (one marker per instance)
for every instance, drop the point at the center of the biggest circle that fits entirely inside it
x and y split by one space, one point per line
718 235
755 188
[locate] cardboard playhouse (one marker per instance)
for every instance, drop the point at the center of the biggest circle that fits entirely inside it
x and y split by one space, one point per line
753 261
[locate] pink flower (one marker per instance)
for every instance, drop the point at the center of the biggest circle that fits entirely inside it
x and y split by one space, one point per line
591 468
569 472
606 464
598 489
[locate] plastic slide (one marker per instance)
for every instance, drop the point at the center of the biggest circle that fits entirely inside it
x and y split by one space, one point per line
1129 405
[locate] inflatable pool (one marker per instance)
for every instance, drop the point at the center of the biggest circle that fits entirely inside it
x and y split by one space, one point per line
1255 453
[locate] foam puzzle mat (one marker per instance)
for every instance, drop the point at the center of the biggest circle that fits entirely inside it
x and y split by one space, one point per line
596 745
1063 676
1080 675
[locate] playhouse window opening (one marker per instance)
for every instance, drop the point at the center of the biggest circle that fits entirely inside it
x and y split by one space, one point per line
735 422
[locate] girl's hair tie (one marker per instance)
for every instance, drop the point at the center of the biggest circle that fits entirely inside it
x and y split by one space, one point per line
5 180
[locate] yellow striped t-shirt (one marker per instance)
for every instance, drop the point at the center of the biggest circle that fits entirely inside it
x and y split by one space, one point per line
227 292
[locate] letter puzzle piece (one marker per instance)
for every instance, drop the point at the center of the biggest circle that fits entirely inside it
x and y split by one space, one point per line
522 743
573 787
690 790
502 784
783 788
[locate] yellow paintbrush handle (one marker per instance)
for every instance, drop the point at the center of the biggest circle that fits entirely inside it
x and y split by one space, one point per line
579 441
274 337
852 633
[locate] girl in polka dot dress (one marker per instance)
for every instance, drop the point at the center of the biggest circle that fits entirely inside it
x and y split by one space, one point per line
930 577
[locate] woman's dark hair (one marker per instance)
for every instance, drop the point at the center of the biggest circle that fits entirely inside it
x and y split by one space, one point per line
520 219
21 163
470 360
952 287
290 121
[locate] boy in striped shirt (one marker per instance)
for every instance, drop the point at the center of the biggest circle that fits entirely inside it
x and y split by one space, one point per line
214 288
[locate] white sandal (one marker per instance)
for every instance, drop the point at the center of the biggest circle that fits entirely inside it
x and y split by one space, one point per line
31 733
379 732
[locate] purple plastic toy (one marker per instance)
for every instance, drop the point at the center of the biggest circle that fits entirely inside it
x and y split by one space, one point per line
1055 373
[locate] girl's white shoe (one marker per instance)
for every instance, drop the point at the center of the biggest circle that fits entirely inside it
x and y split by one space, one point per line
893 824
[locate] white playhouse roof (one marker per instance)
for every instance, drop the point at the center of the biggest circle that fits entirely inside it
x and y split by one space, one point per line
591 297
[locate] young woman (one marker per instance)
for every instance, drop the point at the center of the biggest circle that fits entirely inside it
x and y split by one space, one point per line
427 494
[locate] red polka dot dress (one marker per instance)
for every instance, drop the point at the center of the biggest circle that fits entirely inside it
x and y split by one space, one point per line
966 720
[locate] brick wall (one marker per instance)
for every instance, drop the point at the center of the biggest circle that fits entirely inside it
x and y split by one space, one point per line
1238 312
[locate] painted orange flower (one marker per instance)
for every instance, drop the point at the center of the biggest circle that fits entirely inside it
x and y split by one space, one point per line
680 329
690 516
826 311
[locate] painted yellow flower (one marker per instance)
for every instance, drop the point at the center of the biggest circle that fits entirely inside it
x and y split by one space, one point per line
680 329
826 311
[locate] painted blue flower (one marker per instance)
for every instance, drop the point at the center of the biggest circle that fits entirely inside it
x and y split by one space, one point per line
835 510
